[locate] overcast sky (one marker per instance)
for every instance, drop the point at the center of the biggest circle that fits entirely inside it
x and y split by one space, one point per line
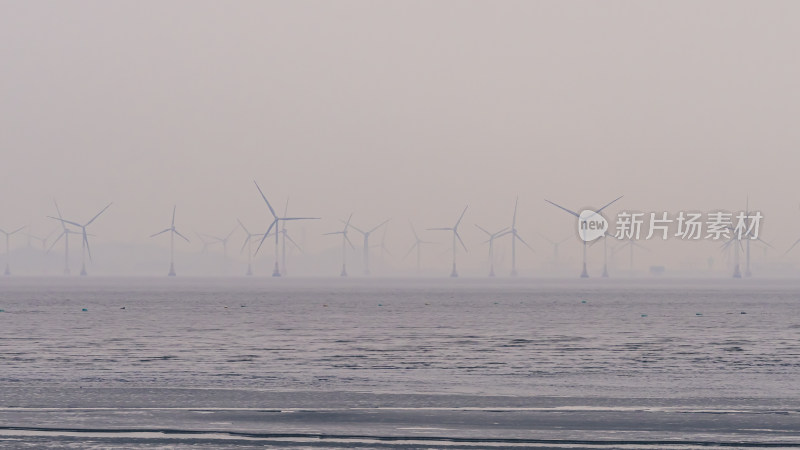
404 109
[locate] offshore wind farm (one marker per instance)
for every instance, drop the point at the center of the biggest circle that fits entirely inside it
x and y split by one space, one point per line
399 224
735 247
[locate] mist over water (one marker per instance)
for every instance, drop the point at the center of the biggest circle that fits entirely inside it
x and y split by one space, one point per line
406 111
466 137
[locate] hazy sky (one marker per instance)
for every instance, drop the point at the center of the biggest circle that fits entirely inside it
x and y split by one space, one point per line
405 109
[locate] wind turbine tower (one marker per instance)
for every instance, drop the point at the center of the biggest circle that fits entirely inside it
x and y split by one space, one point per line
366 235
492 237
345 241
584 272
85 237
172 232
276 271
454 229
8 252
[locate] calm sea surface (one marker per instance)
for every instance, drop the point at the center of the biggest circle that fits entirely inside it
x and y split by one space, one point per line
670 341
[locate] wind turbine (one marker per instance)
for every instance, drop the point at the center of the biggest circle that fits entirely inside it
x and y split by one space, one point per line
8 254
65 234
492 237
284 237
454 229
206 240
366 243
514 236
248 242
749 235
223 241
43 240
418 245
555 245
172 232
85 238
630 243
345 241
276 272
584 273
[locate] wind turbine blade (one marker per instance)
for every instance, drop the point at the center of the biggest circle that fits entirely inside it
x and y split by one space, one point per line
439 229
63 226
348 241
545 238
174 207
382 224
459 240
86 242
300 218
609 204
483 229
636 244
265 200
413 230
333 232
64 221
790 248
243 227
504 233
56 241
764 242
561 207
263 238
523 241
179 234
98 214
461 216
274 224
410 250
501 232
353 227
229 235
17 230
294 243
286 208
246 240
348 221
160 232
514 219
747 206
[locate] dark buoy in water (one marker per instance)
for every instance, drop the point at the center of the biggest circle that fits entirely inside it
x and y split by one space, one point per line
84 309
739 313
122 307
644 315
698 314
583 301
